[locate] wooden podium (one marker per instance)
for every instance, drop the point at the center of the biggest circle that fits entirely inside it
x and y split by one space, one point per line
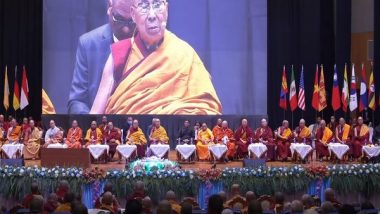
65 157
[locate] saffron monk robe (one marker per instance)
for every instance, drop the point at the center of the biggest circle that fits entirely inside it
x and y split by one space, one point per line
94 135
14 132
264 135
226 136
74 136
360 138
244 137
343 136
205 138
32 141
112 137
158 135
141 72
283 138
302 134
324 136
136 137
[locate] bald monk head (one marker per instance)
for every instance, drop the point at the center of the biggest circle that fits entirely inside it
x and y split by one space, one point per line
74 124
135 124
120 20
157 123
170 196
147 203
204 126
94 125
360 121
302 123
1 118
323 123
244 122
25 120
223 195
250 196
219 122
285 124
110 125
264 123
13 123
225 124
342 121
31 124
235 190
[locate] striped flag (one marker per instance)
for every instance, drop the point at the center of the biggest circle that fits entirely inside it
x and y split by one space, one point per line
322 92
301 93
315 100
371 91
293 92
6 90
363 103
335 98
16 93
353 94
284 91
24 90
345 91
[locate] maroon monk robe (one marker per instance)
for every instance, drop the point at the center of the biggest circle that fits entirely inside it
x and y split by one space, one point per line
322 150
113 134
245 134
266 134
283 145
359 141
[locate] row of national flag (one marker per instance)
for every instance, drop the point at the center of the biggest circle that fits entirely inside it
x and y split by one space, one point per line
347 98
20 97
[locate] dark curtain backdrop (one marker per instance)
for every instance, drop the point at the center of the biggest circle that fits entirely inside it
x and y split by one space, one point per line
21 44
304 32
376 28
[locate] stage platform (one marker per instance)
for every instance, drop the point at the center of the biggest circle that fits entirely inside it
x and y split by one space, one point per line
193 166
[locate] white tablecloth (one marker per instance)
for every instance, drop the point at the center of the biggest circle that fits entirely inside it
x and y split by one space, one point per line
126 150
338 149
257 148
185 150
57 146
218 150
371 151
159 150
97 150
301 149
11 149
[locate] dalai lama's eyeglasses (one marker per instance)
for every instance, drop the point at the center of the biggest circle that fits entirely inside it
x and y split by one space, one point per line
157 6
121 21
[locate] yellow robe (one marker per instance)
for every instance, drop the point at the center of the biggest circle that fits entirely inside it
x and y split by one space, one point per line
32 143
95 136
47 105
14 134
148 88
202 148
137 138
159 135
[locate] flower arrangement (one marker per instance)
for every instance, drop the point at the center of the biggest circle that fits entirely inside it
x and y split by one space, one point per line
153 164
16 181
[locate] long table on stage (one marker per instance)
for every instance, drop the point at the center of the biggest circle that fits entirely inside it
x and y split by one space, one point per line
51 157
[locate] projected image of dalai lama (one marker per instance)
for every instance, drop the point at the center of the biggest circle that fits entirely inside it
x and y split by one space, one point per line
93 50
154 72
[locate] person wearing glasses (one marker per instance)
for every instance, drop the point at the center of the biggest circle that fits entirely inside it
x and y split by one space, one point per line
92 53
154 72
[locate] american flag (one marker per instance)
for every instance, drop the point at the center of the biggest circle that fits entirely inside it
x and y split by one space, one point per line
301 93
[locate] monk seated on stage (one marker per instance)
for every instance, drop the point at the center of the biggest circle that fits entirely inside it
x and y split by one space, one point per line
112 137
343 135
158 135
136 136
32 141
14 133
52 135
264 135
323 137
243 136
74 136
360 137
3 134
302 134
205 138
103 126
154 72
284 137
225 136
94 135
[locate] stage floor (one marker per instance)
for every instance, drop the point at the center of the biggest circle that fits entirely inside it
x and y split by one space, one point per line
193 166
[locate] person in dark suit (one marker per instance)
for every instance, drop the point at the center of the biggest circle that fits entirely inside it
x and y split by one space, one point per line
92 53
